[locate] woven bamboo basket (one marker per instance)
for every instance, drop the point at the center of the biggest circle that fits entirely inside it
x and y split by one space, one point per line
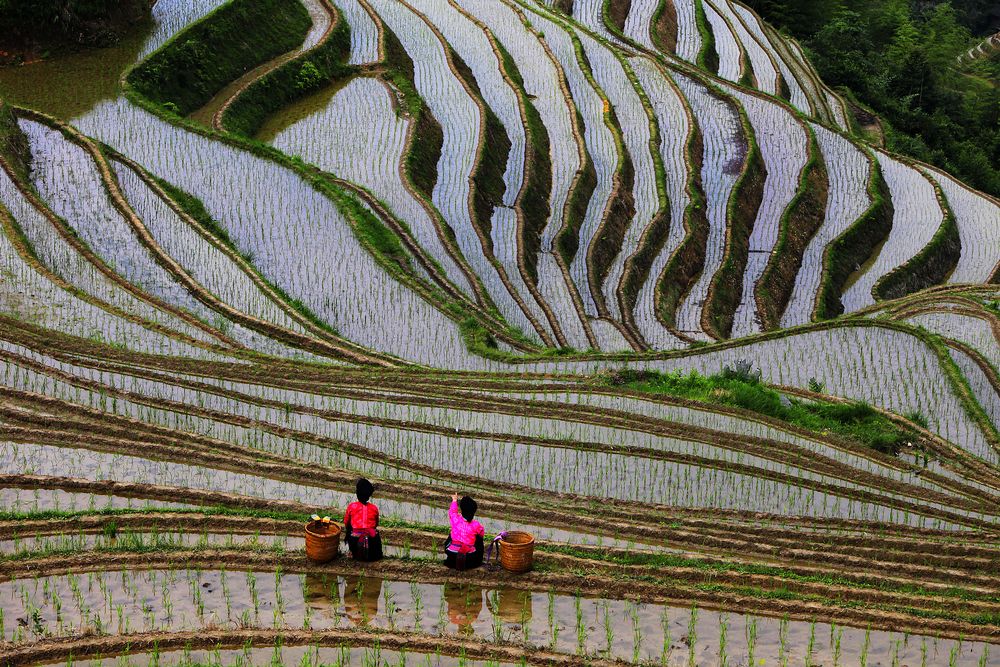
517 551
322 541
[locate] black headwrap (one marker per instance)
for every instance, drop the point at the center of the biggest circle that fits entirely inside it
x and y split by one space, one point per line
468 507
364 490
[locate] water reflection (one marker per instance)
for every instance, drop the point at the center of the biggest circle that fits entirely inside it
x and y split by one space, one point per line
75 82
511 605
465 604
361 596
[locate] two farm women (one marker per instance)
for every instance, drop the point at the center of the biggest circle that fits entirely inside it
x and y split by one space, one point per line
463 549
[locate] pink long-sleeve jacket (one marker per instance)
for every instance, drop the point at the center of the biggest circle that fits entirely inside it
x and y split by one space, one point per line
463 533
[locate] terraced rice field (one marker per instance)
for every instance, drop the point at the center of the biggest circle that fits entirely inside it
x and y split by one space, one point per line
480 246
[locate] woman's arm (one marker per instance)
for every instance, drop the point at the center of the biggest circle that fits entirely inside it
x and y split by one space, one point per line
454 514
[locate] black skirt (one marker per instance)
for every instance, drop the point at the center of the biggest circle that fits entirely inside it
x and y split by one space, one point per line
464 561
368 554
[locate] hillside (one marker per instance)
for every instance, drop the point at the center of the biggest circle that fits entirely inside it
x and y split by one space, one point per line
629 272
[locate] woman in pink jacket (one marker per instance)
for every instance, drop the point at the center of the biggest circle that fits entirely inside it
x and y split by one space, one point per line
465 546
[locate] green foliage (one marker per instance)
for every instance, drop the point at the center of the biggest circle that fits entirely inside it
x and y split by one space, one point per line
57 22
298 77
898 58
741 388
309 77
197 63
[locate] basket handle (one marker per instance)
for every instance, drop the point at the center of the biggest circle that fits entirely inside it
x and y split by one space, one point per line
491 560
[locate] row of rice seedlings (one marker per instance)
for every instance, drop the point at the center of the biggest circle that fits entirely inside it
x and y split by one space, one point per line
631 114
541 79
66 543
88 207
27 295
63 260
838 108
817 93
671 116
476 51
976 216
364 33
473 46
258 438
485 458
22 458
461 123
290 416
797 96
600 143
725 148
590 14
320 24
609 337
36 500
729 424
764 72
119 602
422 448
689 41
211 267
784 147
294 235
398 442
916 218
639 21
726 45
68 180
979 383
282 655
848 170
892 369
632 478
975 332
369 154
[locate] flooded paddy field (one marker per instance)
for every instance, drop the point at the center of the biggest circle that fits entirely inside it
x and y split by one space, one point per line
534 253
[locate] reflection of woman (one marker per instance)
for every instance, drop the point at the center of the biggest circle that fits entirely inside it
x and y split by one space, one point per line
361 596
465 604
